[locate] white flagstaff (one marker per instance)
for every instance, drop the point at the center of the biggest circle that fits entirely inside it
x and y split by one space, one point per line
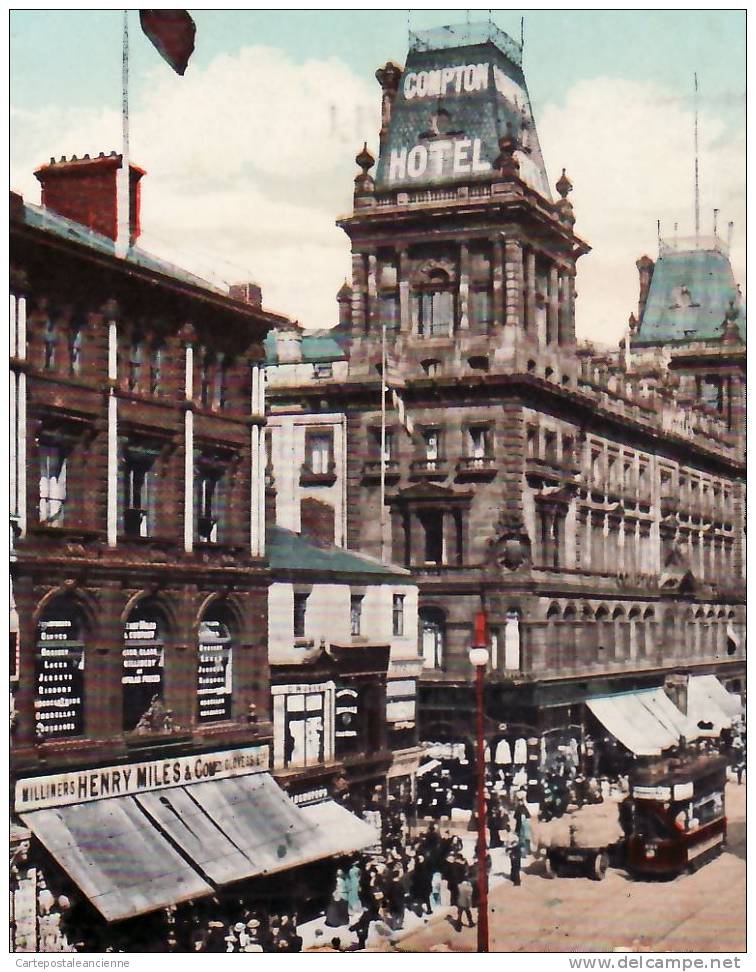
383 441
124 188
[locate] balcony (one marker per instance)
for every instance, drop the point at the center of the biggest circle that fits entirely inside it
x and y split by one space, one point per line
434 469
308 477
476 468
371 471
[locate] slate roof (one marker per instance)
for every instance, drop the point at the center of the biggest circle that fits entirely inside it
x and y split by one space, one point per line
69 229
688 299
482 114
290 551
317 346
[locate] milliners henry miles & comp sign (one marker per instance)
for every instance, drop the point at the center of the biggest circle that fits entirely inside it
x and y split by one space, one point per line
79 786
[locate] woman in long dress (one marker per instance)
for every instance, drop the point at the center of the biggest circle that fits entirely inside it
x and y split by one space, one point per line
337 912
353 889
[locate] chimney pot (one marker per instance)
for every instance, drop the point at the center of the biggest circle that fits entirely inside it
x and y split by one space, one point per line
52 160
84 190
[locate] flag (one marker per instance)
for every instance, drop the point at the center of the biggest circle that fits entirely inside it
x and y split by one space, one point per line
402 411
172 32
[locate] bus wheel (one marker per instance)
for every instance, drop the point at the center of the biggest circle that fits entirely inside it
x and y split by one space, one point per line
600 864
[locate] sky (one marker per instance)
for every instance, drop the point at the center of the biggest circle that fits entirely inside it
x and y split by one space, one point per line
250 155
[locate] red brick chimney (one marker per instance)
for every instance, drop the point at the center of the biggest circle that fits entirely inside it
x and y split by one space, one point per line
84 190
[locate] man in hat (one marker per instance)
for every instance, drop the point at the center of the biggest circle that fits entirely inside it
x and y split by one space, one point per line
371 913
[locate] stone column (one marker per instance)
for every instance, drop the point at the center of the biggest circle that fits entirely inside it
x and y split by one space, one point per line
359 316
569 336
403 267
464 287
497 279
514 304
372 291
552 319
530 291
112 485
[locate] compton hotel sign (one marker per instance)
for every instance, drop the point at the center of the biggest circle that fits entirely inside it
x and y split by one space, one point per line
81 786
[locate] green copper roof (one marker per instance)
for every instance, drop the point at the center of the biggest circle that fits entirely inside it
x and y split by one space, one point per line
688 299
461 90
318 346
291 551
69 229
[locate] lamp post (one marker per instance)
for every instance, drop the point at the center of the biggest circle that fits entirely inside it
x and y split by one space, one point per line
479 659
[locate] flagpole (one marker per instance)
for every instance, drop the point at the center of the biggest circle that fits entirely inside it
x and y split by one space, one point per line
383 441
124 181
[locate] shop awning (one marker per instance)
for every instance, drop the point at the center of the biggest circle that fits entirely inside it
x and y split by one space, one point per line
134 854
339 831
711 708
645 722
116 856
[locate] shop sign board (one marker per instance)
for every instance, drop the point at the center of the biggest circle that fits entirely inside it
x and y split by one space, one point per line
81 786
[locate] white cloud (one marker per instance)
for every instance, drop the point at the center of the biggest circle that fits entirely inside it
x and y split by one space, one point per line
628 149
250 162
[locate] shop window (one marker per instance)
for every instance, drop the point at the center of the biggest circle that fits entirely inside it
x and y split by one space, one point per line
397 626
355 614
53 464
432 636
214 667
59 688
304 729
142 676
300 613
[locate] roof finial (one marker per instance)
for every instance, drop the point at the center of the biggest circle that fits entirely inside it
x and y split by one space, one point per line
730 227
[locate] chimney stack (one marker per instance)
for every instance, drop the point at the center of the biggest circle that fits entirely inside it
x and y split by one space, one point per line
248 293
645 272
84 190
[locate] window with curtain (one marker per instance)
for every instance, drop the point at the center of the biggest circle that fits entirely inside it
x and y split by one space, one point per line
52 483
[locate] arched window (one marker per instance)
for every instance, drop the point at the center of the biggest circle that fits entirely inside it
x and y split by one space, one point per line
432 636
144 636
215 664
512 641
433 305
602 616
60 655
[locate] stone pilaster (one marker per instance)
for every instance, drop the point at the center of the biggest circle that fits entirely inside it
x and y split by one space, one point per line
552 319
464 287
514 296
530 291
403 270
359 286
497 277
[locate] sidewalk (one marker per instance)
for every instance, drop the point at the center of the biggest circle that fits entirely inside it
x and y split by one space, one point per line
316 933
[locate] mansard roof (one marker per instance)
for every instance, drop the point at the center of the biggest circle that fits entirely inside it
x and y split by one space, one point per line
690 297
462 89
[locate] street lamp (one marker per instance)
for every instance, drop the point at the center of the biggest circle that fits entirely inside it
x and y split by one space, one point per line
479 660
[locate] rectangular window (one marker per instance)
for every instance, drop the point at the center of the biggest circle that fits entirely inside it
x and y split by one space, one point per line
208 505
398 615
388 450
355 614
388 312
433 526
300 614
479 442
319 454
155 363
50 341
74 351
136 511
323 370
219 383
550 446
135 364
52 484
432 440
481 307
433 313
